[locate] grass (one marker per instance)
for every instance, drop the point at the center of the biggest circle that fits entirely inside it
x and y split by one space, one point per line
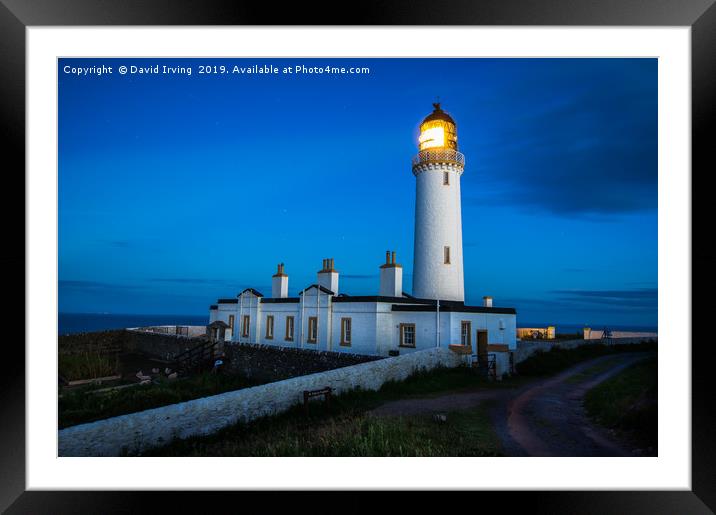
589 372
627 403
82 405
556 359
342 432
87 364
346 429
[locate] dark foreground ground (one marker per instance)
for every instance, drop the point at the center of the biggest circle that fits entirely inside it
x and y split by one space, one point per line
456 413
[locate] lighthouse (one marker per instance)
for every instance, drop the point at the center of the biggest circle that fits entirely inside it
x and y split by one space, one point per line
392 322
437 259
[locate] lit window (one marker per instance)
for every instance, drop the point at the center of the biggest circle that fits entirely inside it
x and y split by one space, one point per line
312 329
269 327
345 331
446 253
289 329
407 335
446 179
245 324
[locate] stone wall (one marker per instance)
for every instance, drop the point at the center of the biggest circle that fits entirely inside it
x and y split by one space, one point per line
69 343
157 345
130 434
525 348
270 363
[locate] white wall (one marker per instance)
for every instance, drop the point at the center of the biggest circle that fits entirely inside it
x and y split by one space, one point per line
280 311
438 223
138 431
363 317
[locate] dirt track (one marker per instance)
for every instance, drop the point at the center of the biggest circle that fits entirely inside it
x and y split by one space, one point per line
543 418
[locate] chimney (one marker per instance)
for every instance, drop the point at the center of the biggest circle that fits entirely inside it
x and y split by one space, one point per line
487 302
391 277
279 284
328 276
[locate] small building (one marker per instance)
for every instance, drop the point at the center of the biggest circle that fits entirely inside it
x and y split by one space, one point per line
537 333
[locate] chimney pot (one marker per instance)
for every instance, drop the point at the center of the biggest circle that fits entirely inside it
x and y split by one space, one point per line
393 258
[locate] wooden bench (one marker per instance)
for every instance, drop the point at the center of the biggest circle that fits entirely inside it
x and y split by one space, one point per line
326 392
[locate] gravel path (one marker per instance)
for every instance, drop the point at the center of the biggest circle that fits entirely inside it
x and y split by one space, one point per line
543 418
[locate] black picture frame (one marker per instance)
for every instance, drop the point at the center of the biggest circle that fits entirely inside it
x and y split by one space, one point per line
700 15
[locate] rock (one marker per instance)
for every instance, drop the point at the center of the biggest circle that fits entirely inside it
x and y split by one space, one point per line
173 375
155 371
145 381
440 418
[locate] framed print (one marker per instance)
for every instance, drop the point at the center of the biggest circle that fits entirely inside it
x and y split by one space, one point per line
199 161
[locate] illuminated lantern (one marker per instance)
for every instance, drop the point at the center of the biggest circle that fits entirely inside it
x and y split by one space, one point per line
438 131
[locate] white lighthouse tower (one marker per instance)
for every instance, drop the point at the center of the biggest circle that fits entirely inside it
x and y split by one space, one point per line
437 262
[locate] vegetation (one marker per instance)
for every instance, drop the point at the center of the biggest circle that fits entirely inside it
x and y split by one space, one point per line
346 429
556 359
91 403
89 355
627 403
87 364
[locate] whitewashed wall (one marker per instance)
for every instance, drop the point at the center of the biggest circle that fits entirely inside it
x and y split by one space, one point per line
438 224
130 434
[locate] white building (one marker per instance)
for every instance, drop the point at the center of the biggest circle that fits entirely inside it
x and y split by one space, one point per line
323 318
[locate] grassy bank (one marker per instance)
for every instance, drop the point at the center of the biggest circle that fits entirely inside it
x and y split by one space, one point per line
346 429
555 360
87 404
628 403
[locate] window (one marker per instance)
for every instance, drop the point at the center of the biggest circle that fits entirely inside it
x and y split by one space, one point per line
407 335
231 322
446 255
465 333
312 329
446 179
245 324
289 329
269 327
346 332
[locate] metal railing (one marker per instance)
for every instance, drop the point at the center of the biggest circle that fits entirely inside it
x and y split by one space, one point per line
446 155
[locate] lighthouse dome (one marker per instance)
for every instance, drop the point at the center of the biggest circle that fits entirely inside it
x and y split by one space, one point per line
438 114
438 131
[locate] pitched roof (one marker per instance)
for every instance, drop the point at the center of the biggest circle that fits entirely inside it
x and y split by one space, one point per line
322 288
252 291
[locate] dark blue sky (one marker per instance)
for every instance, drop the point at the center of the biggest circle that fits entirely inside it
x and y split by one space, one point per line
176 190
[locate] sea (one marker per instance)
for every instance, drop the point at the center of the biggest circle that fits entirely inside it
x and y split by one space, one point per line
72 323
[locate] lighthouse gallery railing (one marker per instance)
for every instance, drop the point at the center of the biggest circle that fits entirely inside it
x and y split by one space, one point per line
439 156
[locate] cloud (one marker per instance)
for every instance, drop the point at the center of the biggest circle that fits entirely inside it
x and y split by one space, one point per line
591 155
192 280
640 298
94 285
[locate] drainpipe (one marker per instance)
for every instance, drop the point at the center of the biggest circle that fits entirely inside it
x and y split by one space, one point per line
437 323
241 316
303 305
318 313
257 325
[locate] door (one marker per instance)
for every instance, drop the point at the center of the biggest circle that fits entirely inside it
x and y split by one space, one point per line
482 347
